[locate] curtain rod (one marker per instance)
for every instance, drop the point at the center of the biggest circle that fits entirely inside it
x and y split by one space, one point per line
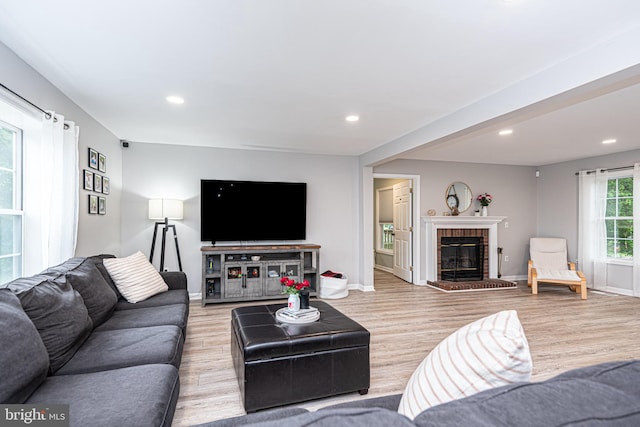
621 168
46 113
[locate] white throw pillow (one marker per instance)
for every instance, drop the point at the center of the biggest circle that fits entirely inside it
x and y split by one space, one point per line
487 353
135 277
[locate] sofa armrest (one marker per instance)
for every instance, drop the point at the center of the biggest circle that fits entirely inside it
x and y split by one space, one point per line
175 279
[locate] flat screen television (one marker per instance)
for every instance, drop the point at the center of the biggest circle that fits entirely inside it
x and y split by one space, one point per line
252 211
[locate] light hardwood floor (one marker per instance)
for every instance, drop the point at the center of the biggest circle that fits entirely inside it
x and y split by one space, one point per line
406 322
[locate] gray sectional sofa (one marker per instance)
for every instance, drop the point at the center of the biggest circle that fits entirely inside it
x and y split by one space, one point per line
601 395
68 337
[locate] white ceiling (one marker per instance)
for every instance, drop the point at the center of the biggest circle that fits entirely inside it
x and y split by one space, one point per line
283 74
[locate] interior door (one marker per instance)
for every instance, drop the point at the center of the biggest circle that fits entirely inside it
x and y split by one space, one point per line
403 229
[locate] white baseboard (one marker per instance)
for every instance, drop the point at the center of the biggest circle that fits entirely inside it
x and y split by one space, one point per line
383 268
195 296
360 287
514 278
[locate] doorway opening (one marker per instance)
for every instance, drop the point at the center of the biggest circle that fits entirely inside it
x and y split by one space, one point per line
395 220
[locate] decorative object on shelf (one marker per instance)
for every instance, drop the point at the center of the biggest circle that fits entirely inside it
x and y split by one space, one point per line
485 199
476 212
304 299
459 196
431 212
165 209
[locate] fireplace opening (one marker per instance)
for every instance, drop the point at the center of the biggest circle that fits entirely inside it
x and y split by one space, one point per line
461 258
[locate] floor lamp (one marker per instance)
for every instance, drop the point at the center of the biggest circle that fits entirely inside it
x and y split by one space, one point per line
165 209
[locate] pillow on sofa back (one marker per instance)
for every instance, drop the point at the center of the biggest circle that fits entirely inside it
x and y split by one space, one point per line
59 314
135 277
24 359
487 353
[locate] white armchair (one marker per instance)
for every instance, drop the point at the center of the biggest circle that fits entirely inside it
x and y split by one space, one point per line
548 263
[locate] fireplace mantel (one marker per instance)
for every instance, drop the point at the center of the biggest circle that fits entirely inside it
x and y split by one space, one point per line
433 223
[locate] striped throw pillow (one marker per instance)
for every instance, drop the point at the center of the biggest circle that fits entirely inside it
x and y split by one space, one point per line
487 353
135 277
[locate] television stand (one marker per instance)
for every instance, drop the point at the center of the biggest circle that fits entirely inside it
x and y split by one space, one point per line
249 273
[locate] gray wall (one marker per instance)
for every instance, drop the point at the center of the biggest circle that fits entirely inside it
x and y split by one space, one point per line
158 170
558 195
514 195
96 233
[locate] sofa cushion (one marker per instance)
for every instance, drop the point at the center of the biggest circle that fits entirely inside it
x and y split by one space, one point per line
135 277
607 394
487 353
175 314
121 348
177 296
136 396
21 347
84 277
59 314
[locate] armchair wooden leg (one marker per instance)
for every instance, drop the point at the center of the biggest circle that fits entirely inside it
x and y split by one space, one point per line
583 290
534 286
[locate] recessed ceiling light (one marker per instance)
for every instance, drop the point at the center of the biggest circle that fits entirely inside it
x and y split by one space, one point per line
505 132
609 141
175 99
352 118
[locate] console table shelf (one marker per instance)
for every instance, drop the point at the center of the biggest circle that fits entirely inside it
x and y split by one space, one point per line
247 273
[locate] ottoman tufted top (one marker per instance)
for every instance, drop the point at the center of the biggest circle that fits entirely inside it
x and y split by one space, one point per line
262 337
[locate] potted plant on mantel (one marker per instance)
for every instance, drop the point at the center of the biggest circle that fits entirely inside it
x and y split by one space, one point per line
484 199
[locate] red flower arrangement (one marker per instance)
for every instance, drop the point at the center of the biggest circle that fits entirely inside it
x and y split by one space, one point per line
292 287
485 199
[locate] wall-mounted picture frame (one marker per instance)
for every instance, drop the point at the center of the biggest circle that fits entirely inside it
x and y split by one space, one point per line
88 180
93 204
93 158
106 185
102 163
97 183
102 205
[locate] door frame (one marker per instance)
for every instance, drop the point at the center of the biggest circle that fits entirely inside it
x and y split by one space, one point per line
417 229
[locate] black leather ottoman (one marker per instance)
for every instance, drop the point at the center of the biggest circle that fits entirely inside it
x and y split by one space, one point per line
278 363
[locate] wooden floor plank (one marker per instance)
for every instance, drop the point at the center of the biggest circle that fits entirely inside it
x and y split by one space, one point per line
406 322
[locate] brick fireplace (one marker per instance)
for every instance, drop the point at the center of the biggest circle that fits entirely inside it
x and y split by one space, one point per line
463 254
484 227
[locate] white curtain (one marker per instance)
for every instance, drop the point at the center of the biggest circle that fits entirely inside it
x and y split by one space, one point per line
592 250
636 226
51 189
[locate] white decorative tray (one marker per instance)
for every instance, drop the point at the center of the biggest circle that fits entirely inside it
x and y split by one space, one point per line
308 315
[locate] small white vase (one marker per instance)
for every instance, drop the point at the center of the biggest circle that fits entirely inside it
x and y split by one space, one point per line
484 211
293 303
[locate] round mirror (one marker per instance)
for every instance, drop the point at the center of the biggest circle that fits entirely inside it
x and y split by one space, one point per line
458 196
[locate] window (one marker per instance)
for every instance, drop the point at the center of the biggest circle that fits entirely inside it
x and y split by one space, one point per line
10 202
619 218
384 219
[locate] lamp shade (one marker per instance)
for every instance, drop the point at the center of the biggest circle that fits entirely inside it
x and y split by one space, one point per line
165 208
